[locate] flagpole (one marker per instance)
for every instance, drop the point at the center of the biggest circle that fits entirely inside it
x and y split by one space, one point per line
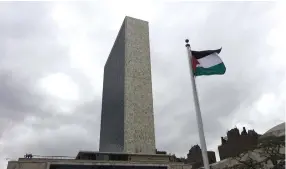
198 111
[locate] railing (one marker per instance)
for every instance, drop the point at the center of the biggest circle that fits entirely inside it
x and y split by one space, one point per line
30 156
54 157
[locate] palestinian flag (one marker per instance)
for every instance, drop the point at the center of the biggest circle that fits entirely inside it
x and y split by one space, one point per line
207 63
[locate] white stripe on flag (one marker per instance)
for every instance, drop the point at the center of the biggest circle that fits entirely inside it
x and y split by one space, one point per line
209 61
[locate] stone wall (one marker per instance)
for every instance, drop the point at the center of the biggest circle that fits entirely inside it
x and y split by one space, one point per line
27 165
139 119
52 164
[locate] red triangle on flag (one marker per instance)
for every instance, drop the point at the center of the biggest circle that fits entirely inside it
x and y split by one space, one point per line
194 63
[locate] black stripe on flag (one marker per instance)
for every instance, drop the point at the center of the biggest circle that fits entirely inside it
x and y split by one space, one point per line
201 54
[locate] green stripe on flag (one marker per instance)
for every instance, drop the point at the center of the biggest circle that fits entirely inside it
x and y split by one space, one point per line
214 70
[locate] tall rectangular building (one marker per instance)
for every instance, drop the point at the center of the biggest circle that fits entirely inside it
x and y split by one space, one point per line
127 119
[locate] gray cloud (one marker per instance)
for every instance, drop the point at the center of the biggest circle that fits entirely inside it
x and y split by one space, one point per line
14 94
29 39
60 134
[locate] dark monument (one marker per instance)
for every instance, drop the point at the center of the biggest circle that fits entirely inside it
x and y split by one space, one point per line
195 158
236 143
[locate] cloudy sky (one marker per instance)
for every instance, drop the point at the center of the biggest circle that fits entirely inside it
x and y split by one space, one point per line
51 71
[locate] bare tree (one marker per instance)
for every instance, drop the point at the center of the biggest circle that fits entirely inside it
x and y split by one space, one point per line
268 149
248 160
271 149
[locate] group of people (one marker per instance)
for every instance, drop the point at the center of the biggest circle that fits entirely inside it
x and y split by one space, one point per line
28 156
